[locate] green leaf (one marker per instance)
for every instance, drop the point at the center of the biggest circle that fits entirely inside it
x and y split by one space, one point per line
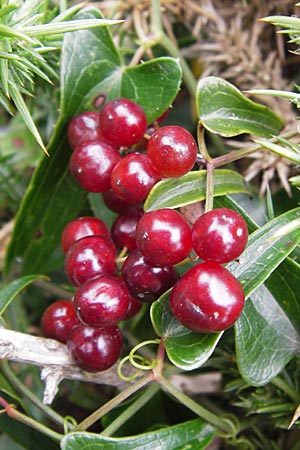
190 188
7 389
90 66
265 340
224 110
185 348
193 434
267 248
11 290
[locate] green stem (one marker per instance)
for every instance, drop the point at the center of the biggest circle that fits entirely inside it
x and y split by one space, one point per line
222 424
96 415
15 414
156 22
201 142
17 384
131 410
209 202
286 388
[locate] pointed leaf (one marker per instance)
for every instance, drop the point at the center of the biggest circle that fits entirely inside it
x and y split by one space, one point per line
11 290
190 188
193 434
224 110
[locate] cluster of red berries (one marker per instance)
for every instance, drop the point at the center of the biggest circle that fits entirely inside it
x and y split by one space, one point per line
110 156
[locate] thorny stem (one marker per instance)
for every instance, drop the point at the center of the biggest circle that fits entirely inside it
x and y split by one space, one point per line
96 415
15 414
15 381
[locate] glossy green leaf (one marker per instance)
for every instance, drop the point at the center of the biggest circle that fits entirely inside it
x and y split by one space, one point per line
267 248
190 188
224 110
11 290
90 66
194 435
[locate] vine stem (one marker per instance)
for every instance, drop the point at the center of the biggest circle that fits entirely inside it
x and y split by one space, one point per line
17 415
223 424
131 410
96 415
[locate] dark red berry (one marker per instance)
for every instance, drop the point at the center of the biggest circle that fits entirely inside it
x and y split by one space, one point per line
220 235
172 150
91 164
124 227
89 257
81 227
123 122
115 203
83 127
208 298
59 319
164 236
95 349
146 281
133 177
102 301
133 307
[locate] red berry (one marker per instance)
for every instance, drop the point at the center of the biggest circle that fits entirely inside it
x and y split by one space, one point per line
123 122
133 307
83 127
95 349
208 298
172 150
102 301
133 177
146 281
59 319
115 203
164 236
124 227
91 164
220 235
89 257
81 227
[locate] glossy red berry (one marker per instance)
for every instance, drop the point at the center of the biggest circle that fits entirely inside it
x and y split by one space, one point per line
133 307
172 150
123 228
59 319
81 227
164 236
102 301
146 281
115 203
95 349
220 235
123 122
89 257
83 127
133 177
208 298
91 164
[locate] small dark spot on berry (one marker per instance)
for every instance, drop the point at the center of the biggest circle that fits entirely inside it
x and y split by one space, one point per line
99 101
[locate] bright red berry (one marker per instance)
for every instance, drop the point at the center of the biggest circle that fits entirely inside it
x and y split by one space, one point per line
133 177
133 307
89 257
91 164
208 298
123 122
146 281
81 227
59 319
164 236
83 127
220 235
123 228
172 150
102 301
95 349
